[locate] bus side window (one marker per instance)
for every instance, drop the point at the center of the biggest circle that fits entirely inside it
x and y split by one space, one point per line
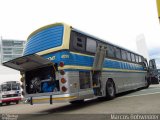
91 45
79 42
110 51
133 57
84 80
118 53
124 54
129 56
140 59
136 58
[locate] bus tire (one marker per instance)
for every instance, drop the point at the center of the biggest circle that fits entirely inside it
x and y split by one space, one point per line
110 90
147 83
7 103
77 102
17 102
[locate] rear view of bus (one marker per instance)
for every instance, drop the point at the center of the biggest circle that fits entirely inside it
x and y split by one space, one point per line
43 77
62 64
10 92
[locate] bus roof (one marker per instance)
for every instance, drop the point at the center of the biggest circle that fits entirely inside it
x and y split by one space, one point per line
44 27
79 31
4 82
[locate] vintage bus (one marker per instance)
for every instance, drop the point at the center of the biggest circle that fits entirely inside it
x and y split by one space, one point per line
10 92
61 63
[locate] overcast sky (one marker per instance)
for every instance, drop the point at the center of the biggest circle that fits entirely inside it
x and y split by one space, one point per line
118 21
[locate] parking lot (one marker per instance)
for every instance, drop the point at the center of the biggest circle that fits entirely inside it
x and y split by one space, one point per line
144 101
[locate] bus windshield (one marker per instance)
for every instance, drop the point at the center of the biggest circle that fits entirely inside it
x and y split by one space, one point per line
15 86
10 86
6 87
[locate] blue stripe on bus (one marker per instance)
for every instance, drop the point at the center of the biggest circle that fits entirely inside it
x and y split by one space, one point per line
45 39
87 61
72 70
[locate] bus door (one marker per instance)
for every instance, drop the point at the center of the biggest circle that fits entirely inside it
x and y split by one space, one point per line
85 87
153 72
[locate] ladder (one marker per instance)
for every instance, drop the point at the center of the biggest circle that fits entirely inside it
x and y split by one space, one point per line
99 57
97 68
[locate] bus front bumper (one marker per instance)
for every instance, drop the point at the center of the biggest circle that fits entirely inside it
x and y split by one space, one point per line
5 100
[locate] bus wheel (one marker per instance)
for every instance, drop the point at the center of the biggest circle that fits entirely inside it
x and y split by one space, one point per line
0 104
77 102
110 90
147 82
7 103
17 102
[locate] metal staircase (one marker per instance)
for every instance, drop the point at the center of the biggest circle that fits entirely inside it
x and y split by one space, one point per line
97 68
99 57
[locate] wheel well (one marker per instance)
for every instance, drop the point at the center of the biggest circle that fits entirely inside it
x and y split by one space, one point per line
110 79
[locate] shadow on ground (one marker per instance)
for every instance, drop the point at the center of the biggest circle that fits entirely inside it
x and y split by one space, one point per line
72 107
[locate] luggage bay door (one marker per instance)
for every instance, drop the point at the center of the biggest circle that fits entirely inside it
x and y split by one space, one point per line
27 63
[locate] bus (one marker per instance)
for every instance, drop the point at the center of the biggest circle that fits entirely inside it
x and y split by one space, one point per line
159 74
10 92
61 63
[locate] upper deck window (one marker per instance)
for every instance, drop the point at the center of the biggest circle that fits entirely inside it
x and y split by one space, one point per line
45 39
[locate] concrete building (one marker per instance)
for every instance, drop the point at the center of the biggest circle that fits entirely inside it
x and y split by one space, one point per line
10 49
142 46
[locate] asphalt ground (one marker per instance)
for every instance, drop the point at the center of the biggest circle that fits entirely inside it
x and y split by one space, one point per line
143 101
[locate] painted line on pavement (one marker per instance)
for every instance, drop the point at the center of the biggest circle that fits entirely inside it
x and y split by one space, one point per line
150 89
139 95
